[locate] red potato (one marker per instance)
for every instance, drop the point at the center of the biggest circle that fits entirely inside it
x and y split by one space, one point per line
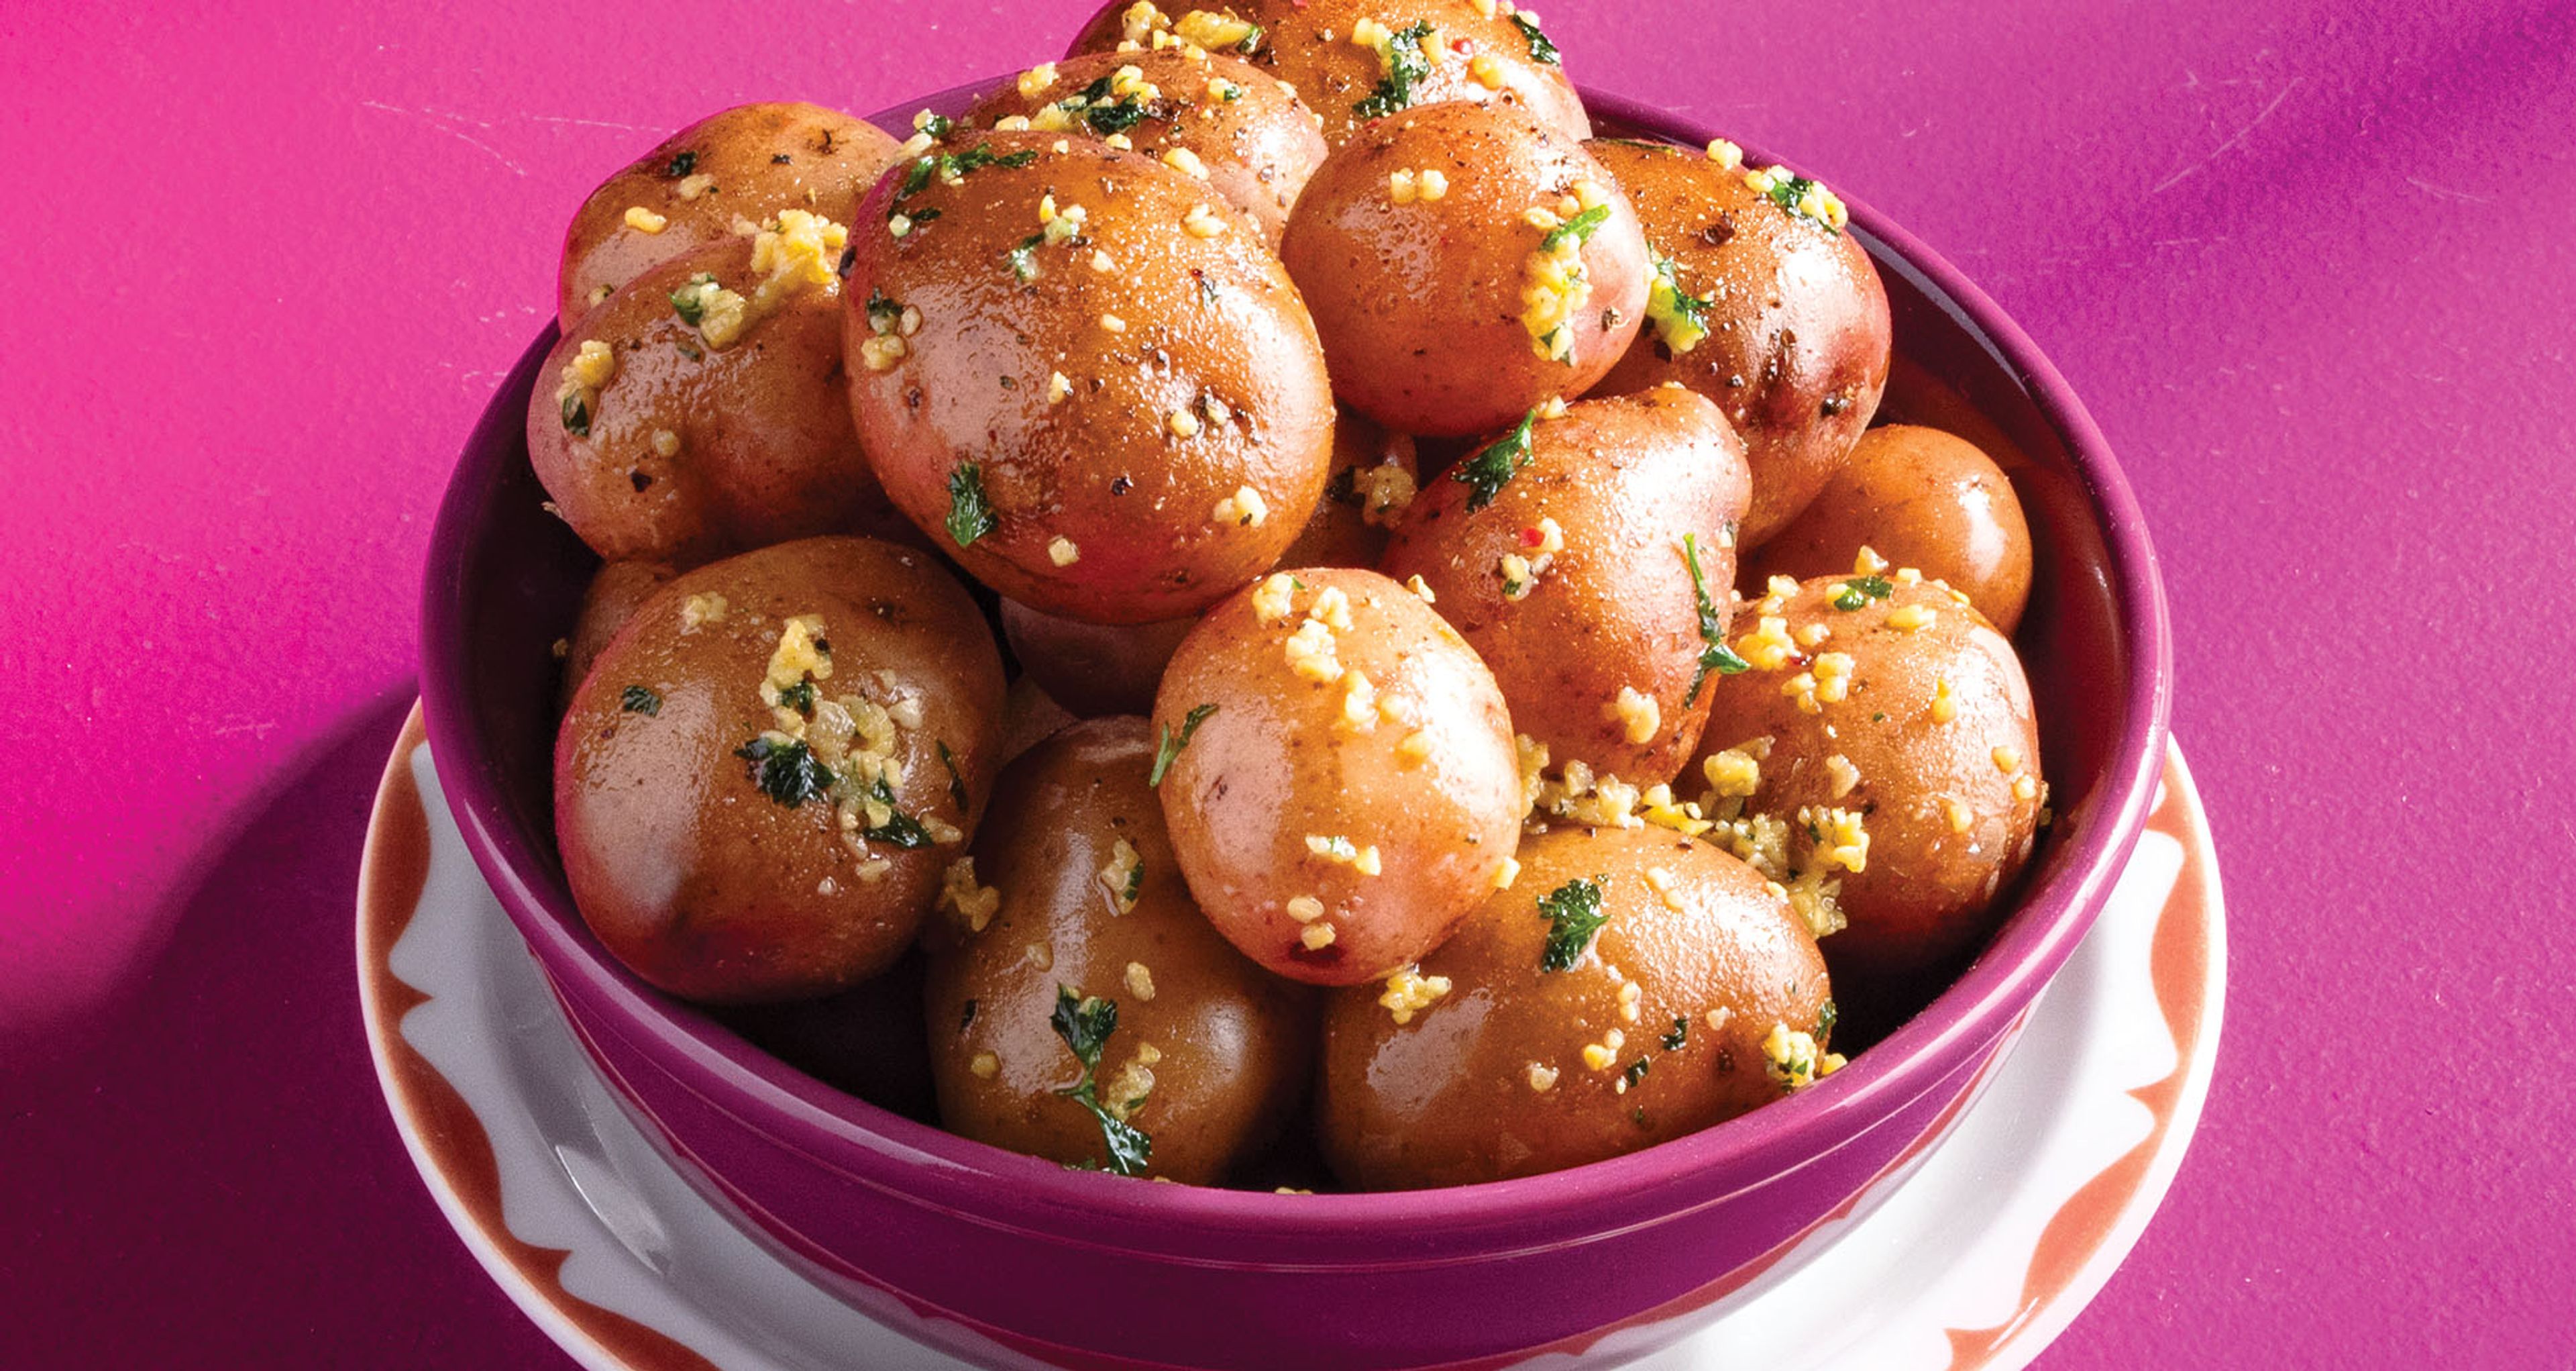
1465 265
1083 375
1769 309
1092 669
1574 580
615 593
745 163
1354 60
1341 786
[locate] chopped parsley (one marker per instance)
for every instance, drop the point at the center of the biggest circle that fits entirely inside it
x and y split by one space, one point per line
1681 1034
1790 193
644 700
1406 63
1486 473
884 313
937 125
1573 914
1024 258
1636 1071
1167 748
900 829
786 772
576 414
849 259
1106 116
690 301
949 166
799 697
1715 655
1542 51
1860 590
1826 1018
681 165
956 782
1578 229
970 515
1085 1025
1135 884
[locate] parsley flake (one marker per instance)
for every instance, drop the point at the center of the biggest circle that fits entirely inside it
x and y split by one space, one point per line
799 697
576 415
1681 1034
1406 63
1636 1071
1715 655
1860 590
1167 748
1578 229
970 515
1024 258
956 782
1085 1025
900 829
1826 1018
1573 914
1542 51
690 301
681 165
644 700
786 772
1486 473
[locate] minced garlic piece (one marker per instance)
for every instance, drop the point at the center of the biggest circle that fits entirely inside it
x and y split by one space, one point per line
1555 287
1359 703
1812 636
1842 774
1183 424
1039 955
1734 773
1384 492
1244 508
974 902
1342 851
1140 981
1768 647
665 443
1945 706
1212 32
1632 996
1203 222
702 609
1868 562
1960 816
1275 598
2007 760
883 351
1409 992
1790 1057
1113 323
1416 746
1057 388
1402 187
1123 876
1317 937
643 220
1541 1078
1185 161
1840 837
1487 71
1602 1055
1761 841
1127 1091
1037 80
1141 21
2025 787
1435 185
1305 909
1638 714
1908 618
691 187
985 1066
594 366
1507 873
1333 608
1716 1019
1063 551
1727 155
1312 653
1660 881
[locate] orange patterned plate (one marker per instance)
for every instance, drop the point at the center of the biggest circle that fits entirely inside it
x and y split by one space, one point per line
2008 1227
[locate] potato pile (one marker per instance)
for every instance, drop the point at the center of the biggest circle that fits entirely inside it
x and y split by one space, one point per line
1207 583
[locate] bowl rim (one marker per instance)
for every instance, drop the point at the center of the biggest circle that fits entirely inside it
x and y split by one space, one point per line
871 1145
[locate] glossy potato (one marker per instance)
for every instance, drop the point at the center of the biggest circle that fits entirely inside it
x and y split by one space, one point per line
1903 765
615 593
1523 279
731 847
1575 582
1921 498
1659 1024
1342 787
1462 50
1209 1053
1120 425
664 440
1789 330
1092 669
748 162
1375 474
1238 129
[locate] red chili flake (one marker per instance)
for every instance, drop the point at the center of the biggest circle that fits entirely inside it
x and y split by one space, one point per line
1531 537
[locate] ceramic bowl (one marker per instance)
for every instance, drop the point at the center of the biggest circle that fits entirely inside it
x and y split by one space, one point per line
1004 1258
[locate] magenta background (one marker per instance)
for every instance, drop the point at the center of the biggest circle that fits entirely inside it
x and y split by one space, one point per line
2309 264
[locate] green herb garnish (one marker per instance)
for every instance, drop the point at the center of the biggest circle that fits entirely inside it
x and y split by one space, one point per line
1406 63
1636 1072
1579 229
1826 1018
1085 1025
1486 473
1715 655
1168 748
937 125
799 697
1573 914
1542 51
690 301
1106 116
576 414
970 515
1681 1034
1860 590
1024 258
900 829
950 166
956 783
883 313
1789 191
786 772
644 700
681 165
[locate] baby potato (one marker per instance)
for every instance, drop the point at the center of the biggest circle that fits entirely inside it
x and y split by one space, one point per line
1375 474
1630 987
1072 957
1241 131
1465 265
765 773
1878 757
614 595
1762 302
1338 774
701 411
1092 669
1354 61
748 162
1083 374
1586 558
1915 497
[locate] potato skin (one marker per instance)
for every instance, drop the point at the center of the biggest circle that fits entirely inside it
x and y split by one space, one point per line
1211 331
1275 760
1421 305
1092 669
1307 43
1258 148
615 593
1235 1042
1375 474
1917 497
1928 891
831 158
1798 335
1451 1098
766 451
1626 479
698 880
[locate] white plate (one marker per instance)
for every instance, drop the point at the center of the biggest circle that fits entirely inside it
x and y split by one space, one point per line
2007 1228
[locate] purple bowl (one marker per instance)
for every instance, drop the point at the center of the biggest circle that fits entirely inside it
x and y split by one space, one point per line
1008 1260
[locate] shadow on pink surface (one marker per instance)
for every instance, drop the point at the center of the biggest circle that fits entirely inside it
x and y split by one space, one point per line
226 1085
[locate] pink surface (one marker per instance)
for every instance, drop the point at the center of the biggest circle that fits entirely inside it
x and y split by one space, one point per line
2307 265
